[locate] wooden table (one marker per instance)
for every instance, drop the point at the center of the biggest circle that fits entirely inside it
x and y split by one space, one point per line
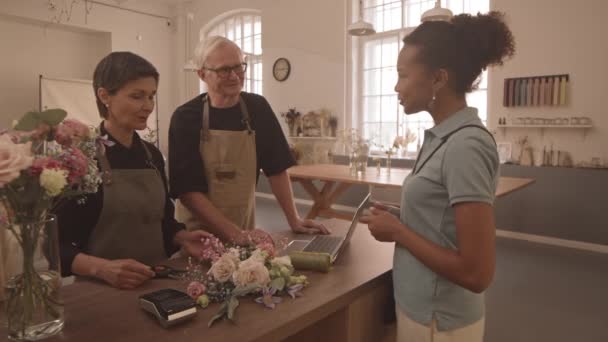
346 304
337 178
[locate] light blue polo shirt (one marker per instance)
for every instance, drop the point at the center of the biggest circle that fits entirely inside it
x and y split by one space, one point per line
463 169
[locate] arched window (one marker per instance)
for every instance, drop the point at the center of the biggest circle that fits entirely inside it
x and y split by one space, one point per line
378 115
244 27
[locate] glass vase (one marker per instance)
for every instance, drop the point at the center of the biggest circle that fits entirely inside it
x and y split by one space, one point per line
33 305
352 163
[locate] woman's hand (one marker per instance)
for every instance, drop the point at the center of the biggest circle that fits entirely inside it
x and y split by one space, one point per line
124 273
383 225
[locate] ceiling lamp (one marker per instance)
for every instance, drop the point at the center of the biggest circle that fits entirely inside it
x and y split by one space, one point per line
361 27
437 13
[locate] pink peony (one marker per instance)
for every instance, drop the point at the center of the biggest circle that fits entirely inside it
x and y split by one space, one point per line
268 248
13 159
71 131
40 164
196 289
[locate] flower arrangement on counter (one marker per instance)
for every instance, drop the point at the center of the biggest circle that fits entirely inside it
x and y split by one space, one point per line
43 159
237 271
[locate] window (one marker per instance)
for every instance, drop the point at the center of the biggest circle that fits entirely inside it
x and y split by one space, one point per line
245 29
381 117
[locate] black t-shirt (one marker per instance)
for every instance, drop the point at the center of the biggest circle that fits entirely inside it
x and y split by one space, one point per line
186 171
78 217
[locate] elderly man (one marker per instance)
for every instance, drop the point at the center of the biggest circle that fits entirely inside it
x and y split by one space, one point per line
219 141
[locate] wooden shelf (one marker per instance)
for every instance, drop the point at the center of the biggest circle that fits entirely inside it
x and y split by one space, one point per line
544 126
313 138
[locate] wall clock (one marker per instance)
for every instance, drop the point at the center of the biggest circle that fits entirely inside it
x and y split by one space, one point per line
281 69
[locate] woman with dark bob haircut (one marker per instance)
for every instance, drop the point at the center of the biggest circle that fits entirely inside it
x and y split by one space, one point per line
444 231
116 234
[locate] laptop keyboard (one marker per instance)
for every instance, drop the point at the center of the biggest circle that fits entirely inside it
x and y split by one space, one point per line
323 244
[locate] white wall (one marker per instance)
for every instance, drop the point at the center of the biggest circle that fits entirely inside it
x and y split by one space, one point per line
310 34
123 28
558 37
55 52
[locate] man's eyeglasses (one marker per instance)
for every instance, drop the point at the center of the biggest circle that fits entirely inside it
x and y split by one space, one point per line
224 72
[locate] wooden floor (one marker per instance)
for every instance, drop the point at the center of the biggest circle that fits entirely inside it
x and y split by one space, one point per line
539 293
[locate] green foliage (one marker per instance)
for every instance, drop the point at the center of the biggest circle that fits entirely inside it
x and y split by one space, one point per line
32 120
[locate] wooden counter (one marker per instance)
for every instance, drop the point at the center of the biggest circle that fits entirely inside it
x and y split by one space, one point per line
346 304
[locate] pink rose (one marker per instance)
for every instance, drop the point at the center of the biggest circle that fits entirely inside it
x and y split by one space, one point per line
13 159
196 289
71 131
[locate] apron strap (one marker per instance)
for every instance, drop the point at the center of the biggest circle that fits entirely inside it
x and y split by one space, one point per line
205 125
149 160
106 170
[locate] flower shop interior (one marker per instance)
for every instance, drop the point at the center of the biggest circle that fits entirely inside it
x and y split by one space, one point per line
552 237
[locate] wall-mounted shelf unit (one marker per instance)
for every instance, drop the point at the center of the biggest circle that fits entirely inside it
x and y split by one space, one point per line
542 127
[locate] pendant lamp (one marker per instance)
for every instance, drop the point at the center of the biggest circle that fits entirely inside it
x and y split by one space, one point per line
361 27
437 13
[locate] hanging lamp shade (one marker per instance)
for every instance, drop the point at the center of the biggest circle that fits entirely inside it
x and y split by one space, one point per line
437 13
361 27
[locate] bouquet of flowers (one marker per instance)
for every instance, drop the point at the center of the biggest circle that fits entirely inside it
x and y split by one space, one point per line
44 159
237 271
404 140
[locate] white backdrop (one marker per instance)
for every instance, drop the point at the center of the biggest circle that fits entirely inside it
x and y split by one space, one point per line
77 98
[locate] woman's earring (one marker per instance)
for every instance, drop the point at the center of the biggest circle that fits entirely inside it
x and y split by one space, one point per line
431 104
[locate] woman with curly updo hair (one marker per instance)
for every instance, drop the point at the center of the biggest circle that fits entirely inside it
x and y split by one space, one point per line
444 231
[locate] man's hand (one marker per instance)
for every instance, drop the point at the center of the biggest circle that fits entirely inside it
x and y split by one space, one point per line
191 241
308 227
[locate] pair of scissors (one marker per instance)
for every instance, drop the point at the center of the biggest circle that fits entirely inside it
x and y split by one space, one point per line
164 271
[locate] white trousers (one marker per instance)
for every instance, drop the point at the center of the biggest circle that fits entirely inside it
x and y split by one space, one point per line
410 331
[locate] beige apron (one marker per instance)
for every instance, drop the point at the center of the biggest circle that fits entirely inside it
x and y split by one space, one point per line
130 223
229 159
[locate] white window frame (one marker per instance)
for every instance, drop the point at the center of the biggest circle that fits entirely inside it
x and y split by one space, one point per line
237 18
418 122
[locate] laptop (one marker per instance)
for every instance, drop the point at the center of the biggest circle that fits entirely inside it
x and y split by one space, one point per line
330 244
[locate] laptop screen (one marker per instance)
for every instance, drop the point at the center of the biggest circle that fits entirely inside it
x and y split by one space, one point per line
364 204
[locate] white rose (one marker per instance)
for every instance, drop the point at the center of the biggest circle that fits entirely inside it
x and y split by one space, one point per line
53 181
223 268
284 261
258 256
13 159
251 272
